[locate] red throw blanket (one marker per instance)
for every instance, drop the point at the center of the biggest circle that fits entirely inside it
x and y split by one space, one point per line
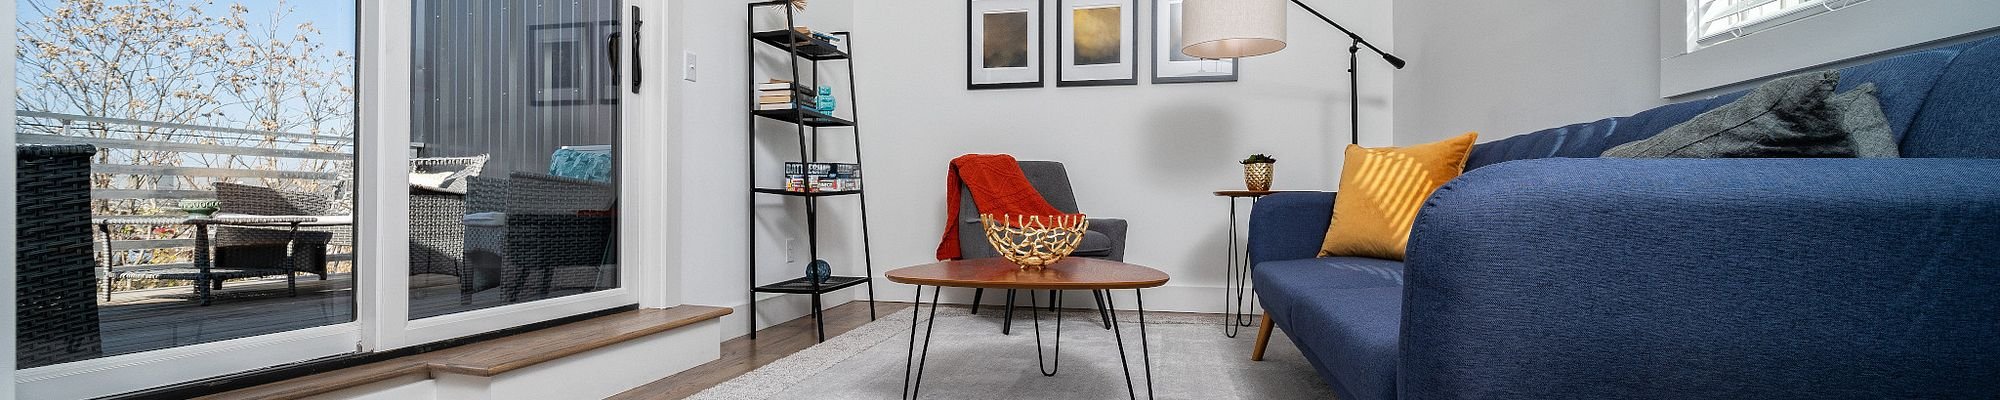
998 187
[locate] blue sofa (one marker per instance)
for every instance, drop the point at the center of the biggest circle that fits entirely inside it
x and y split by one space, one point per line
1545 272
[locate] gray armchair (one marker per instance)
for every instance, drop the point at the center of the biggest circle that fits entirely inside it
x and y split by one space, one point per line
1105 238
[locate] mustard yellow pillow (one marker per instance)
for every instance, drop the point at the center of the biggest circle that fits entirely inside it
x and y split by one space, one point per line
1381 190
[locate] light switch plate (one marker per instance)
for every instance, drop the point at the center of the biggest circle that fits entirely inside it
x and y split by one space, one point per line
688 73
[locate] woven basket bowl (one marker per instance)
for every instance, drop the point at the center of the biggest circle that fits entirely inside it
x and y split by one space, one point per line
1034 241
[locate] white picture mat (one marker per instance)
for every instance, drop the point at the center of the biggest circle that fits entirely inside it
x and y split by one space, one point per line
1097 72
1164 47
547 67
975 59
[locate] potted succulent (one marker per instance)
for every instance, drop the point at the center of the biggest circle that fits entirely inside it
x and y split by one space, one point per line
1257 171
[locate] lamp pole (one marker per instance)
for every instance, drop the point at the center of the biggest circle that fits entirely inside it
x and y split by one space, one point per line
1353 71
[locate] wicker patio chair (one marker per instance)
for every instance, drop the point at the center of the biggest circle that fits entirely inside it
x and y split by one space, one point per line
557 231
437 223
56 309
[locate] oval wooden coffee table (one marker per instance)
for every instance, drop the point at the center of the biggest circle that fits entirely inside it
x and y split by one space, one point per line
997 273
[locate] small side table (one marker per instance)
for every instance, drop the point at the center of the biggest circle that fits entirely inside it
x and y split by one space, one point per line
1236 273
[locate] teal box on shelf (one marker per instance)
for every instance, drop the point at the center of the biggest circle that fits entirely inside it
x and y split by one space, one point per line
826 104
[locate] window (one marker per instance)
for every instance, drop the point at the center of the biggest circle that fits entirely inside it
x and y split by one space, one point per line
1711 45
1722 20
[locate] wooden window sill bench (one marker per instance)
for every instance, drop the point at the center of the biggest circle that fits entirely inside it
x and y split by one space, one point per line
573 360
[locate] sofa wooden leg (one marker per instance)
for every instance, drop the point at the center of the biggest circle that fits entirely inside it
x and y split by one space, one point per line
1263 337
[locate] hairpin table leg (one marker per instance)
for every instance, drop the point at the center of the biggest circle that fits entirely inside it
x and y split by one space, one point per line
914 357
1047 369
1145 353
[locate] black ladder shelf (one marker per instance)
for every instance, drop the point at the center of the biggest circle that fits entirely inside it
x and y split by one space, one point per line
807 124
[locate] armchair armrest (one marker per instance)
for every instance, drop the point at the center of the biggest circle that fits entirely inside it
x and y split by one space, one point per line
1746 278
1289 225
1114 228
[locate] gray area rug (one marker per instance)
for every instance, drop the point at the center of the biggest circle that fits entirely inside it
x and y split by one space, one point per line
970 359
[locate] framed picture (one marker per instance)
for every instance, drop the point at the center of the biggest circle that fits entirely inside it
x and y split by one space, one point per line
1097 43
1003 44
1170 65
562 64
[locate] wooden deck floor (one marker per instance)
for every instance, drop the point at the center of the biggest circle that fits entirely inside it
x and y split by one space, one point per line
141 320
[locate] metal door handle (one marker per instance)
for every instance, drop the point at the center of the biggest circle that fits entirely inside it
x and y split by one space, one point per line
637 71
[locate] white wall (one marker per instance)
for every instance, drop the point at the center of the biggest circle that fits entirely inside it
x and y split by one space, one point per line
1148 153
1505 68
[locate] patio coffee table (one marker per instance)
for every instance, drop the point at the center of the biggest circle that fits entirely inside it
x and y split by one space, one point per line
203 275
996 273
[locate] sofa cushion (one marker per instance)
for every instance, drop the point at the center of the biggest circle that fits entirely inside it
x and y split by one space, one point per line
1902 83
1344 313
1960 119
1796 116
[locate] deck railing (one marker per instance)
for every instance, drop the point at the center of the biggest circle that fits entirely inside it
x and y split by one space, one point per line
147 167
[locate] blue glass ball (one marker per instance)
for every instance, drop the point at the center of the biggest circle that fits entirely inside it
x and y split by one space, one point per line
819 271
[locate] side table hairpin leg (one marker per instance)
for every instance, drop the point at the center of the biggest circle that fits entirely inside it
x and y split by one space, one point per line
1236 279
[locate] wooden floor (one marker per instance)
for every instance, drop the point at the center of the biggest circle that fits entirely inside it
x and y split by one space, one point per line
150 319
741 355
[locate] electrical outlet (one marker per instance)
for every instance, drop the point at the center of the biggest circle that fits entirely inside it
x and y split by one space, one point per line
688 73
791 250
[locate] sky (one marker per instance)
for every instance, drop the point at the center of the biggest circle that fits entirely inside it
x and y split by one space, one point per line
335 18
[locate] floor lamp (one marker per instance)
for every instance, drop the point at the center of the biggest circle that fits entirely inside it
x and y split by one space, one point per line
1219 29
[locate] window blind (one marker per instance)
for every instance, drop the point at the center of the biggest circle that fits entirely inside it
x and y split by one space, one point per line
1718 21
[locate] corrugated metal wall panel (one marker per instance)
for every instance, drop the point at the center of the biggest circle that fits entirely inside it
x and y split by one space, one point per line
475 80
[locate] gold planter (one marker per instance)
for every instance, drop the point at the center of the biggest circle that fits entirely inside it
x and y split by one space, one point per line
1257 176
1034 241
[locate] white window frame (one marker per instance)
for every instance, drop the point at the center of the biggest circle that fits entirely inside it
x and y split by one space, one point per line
382 298
1802 11
1855 30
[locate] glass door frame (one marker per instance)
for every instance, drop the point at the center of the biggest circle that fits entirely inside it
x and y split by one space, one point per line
388 36
124 373
381 286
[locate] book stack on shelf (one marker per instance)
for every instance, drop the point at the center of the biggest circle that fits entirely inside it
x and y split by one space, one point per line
822 177
779 94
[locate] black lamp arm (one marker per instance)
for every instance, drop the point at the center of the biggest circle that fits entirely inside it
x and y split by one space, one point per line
1391 58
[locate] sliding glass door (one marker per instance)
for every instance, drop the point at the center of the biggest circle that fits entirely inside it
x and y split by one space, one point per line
185 183
208 188
514 123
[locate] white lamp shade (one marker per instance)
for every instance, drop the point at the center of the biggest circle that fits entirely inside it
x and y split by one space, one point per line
1218 29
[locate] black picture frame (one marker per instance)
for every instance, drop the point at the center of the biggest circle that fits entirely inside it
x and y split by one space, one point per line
1062 57
1161 31
1040 24
561 59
